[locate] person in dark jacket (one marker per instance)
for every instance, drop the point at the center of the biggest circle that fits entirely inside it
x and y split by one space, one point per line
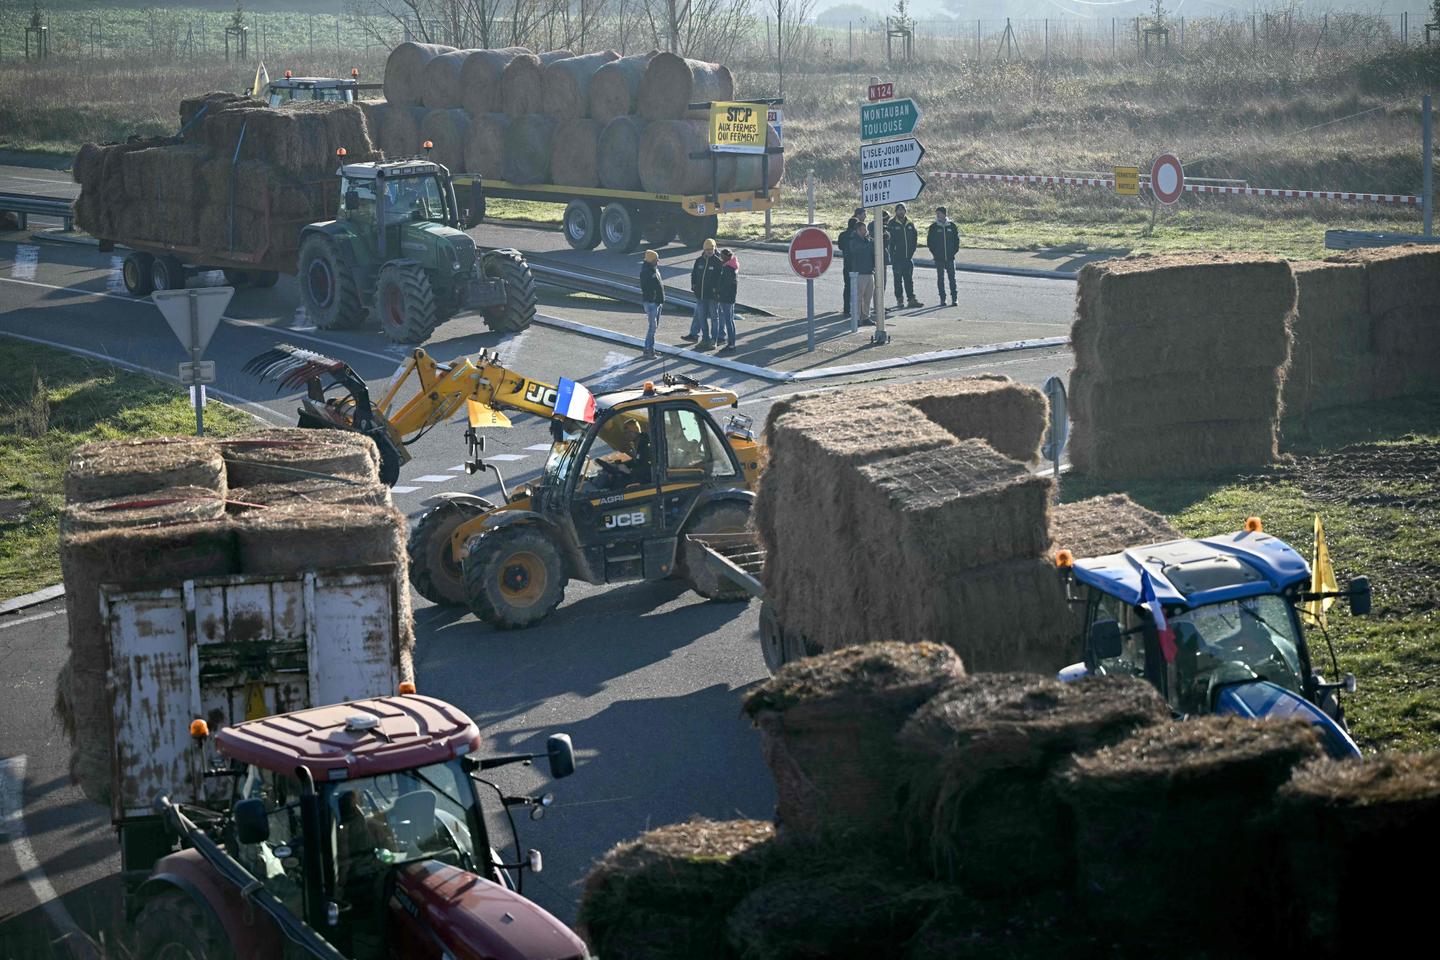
704 275
943 241
903 239
862 276
842 246
725 292
652 294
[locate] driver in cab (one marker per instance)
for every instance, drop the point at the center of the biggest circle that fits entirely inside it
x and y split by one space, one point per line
635 468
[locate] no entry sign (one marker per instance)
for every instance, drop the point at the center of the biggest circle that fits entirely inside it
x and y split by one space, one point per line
1167 178
811 253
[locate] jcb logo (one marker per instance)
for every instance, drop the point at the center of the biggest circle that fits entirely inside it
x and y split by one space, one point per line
541 394
739 114
617 520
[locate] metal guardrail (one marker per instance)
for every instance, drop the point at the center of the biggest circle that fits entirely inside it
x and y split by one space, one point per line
1354 239
28 206
600 283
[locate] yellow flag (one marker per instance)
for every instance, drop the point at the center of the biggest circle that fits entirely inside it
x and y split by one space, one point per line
1322 576
262 81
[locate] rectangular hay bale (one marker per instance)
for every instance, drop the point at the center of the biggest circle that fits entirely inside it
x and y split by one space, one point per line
1010 416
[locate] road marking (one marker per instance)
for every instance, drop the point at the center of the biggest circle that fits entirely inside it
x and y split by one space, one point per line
27 259
433 478
608 376
12 828
403 489
508 349
301 320
460 468
507 457
538 446
7 624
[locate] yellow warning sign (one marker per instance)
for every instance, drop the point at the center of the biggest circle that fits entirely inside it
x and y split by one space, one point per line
737 128
1127 181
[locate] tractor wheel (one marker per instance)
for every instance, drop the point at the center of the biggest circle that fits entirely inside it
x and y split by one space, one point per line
237 278
327 286
620 226
514 577
725 517
175 927
581 224
405 302
434 572
694 231
136 273
166 273
519 308
263 279
658 226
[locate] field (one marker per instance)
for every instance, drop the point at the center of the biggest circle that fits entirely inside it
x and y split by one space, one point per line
50 402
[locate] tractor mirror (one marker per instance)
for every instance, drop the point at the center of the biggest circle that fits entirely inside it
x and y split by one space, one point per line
1360 596
352 200
562 755
1105 639
252 823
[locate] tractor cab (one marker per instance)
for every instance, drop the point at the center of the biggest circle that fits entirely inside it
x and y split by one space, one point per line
1232 605
362 821
331 89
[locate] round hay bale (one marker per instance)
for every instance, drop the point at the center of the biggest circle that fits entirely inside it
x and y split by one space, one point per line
448 131
405 71
293 453
125 556
615 86
977 757
828 725
485 148
573 153
748 166
400 131
618 153
1037 926
169 506
1141 806
670 160
565 84
481 89
674 884
440 80
118 468
528 144
310 490
670 84
520 83
85 168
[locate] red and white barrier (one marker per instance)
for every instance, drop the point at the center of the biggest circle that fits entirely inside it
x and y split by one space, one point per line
1106 182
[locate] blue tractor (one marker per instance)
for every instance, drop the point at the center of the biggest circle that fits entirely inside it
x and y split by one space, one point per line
1233 602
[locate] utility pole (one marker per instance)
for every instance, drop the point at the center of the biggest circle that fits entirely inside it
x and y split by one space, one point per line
1428 162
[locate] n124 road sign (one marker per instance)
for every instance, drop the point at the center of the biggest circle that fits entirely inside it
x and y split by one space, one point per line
888 118
890 188
890 155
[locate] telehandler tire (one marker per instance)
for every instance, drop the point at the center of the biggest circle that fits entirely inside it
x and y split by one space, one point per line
728 516
434 572
519 308
405 302
514 577
174 927
327 286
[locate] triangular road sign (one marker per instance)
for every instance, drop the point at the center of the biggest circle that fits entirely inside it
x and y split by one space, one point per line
210 304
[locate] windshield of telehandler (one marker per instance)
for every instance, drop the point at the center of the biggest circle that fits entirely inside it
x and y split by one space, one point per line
622 442
1255 636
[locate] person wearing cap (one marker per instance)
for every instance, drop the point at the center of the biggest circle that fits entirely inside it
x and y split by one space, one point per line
842 244
903 239
704 277
652 294
861 267
943 242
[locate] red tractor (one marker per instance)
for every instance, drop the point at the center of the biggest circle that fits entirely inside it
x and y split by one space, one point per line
356 831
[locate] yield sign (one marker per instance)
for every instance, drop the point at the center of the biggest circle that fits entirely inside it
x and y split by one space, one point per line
193 314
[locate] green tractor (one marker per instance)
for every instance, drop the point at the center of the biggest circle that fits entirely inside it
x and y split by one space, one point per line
397 249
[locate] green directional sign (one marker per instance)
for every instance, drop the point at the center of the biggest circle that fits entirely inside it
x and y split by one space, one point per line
888 118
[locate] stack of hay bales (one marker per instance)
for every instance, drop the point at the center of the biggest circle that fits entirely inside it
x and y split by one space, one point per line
1331 360
1402 293
1179 363
243 178
150 512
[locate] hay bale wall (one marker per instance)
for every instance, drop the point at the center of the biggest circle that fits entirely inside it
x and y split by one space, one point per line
440 80
447 131
404 80
1402 291
618 153
101 471
670 84
291 454
485 148
565 84
574 153
1332 363
521 83
667 164
615 87
529 142
480 79
400 135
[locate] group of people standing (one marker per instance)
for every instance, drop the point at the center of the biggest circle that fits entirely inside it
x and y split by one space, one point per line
715 282
900 239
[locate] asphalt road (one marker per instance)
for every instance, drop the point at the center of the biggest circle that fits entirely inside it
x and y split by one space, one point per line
645 677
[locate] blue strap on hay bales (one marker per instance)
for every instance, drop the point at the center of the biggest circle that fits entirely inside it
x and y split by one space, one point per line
200 113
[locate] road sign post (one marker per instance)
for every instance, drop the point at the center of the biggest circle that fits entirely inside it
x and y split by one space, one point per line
886 171
194 315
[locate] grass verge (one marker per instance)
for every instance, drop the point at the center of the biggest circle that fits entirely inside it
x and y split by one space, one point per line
1369 473
50 402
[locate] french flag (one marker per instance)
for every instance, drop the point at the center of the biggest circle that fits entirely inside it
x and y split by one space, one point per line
1157 612
574 402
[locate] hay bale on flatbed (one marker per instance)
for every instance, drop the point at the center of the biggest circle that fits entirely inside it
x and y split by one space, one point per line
573 156
1189 797
828 726
521 82
666 893
119 468
670 84
485 148
165 507
440 80
565 84
751 173
667 163
206 104
480 79
404 81
293 453
448 131
616 85
299 138
618 153
529 142
977 758
400 133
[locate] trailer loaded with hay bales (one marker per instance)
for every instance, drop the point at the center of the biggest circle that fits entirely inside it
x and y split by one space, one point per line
217 581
